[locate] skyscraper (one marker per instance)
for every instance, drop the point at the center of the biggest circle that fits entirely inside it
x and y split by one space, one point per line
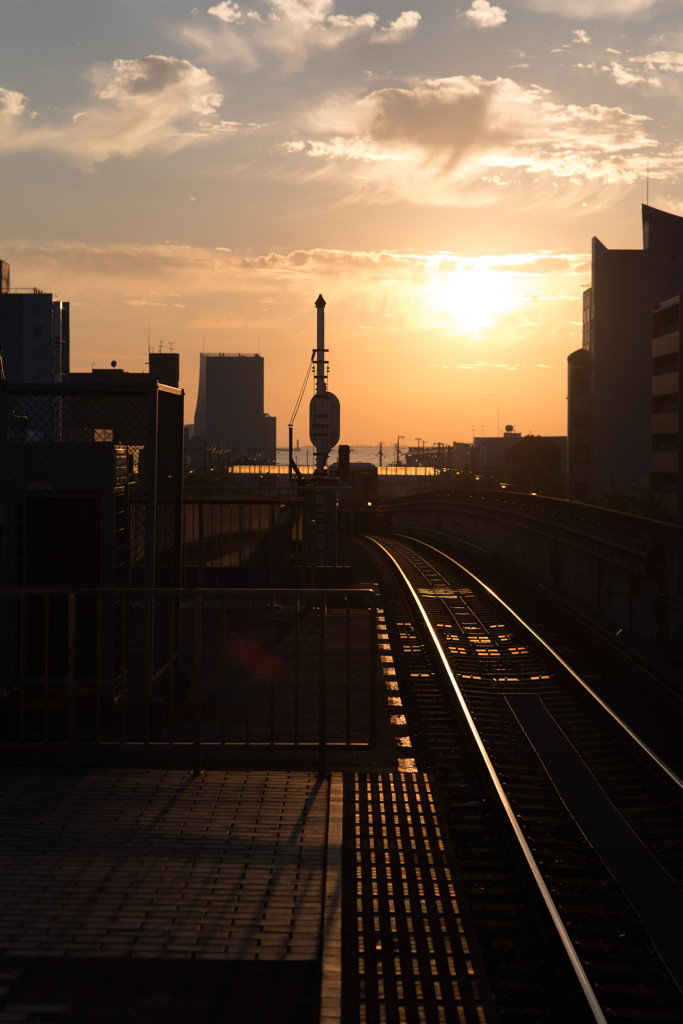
229 412
610 377
34 333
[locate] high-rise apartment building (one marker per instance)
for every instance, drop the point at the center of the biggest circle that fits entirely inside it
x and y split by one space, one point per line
667 454
610 377
229 414
34 333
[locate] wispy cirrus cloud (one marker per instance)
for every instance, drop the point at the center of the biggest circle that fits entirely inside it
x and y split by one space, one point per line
152 104
470 140
291 30
618 9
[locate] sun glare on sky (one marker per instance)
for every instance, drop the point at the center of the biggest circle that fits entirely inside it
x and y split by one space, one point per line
473 297
194 176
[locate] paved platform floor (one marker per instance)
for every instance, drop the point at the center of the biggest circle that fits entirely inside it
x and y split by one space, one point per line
145 895
149 895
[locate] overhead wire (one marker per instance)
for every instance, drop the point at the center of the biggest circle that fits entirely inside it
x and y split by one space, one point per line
301 393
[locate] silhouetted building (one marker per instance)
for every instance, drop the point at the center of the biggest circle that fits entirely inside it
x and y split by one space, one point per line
440 456
666 477
229 416
543 470
91 498
165 367
112 445
488 454
610 378
34 333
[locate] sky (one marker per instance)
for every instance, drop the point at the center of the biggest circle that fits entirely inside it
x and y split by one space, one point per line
192 177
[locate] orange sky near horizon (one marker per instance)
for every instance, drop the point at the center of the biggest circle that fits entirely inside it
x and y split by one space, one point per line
196 176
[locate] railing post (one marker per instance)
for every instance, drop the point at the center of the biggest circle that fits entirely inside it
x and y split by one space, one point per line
98 668
197 682
200 546
148 664
372 653
71 697
322 686
46 666
22 664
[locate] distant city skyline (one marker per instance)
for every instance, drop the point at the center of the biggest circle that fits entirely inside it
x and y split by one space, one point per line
198 175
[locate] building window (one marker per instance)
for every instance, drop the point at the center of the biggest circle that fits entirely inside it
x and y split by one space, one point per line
665 442
664 403
665 483
581 455
581 418
665 364
665 321
579 382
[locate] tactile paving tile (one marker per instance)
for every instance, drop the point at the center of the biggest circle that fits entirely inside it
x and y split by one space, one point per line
227 865
413 955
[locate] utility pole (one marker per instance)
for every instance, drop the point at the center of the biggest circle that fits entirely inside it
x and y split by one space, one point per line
324 434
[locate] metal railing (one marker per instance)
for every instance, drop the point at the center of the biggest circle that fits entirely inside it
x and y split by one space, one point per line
187 675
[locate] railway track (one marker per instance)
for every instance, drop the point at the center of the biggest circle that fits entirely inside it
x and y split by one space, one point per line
567 826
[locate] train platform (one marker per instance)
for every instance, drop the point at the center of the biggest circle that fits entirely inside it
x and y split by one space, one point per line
145 895
253 894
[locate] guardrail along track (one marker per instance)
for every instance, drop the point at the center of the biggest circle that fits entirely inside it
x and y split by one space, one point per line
600 818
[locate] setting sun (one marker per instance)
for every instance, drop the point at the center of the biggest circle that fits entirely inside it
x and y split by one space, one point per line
474 297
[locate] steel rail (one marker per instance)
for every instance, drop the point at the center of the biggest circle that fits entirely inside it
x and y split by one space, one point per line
525 625
563 935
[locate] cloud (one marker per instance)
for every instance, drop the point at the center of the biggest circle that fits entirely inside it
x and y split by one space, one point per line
482 14
227 11
581 36
151 104
12 106
483 364
292 30
662 60
652 73
469 140
626 76
231 13
398 30
618 9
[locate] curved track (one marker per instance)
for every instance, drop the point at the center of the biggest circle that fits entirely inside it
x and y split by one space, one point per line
568 832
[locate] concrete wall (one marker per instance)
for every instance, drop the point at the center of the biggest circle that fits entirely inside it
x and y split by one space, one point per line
625 571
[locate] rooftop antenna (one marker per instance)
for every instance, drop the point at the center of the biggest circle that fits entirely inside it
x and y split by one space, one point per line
647 184
149 338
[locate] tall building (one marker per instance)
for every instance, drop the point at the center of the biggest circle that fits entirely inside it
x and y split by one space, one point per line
229 414
666 477
610 377
34 333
